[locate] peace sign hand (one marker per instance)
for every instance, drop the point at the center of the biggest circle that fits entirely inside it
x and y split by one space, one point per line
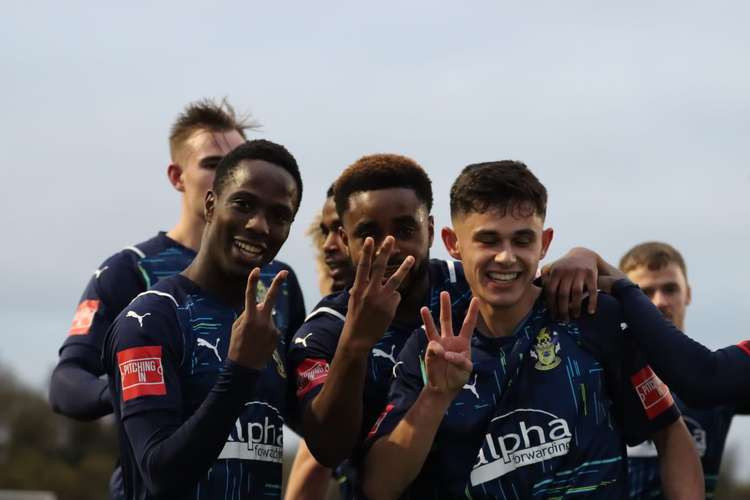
254 333
448 356
373 299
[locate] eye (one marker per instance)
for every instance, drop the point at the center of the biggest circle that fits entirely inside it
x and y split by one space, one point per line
486 239
404 233
671 289
523 240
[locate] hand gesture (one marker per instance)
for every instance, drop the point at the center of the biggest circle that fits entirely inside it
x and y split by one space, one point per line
565 281
373 299
448 357
254 333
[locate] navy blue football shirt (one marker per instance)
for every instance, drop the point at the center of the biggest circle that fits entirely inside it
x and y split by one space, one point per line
193 424
708 428
314 346
546 412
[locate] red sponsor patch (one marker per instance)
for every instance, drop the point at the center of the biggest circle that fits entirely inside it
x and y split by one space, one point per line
141 372
745 346
653 393
310 374
379 421
84 317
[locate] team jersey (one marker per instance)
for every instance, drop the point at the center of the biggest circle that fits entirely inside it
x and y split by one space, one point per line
546 412
701 377
708 428
192 423
314 346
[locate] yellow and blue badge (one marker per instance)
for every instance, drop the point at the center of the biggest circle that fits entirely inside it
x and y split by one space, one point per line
545 350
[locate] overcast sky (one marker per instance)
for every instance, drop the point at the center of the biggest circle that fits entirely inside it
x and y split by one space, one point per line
635 117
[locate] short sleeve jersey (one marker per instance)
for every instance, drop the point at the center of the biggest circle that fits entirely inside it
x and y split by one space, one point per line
164 353
708 428
314 345
546 412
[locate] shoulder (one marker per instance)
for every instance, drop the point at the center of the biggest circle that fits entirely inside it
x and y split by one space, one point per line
333 307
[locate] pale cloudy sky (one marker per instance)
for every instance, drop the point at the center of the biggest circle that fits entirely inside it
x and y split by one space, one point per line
634 116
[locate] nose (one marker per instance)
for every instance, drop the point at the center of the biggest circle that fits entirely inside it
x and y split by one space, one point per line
257 223
505 255
660 299
330 243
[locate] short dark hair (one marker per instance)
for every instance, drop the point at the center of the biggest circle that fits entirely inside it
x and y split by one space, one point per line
507 186
653 255
330 191
382 171
209 115
258 149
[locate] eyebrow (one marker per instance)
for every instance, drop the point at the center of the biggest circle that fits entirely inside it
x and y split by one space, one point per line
405 219
210 160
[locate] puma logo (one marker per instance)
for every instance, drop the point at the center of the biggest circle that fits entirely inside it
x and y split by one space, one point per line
303 340
379 353
394 368
472 387
99 272
133 314
214 348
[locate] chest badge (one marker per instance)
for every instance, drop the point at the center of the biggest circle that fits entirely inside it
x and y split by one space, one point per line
545 350
279 364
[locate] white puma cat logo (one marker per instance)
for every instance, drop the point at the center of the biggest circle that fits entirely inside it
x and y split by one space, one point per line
379 353
214 348
472 387
302 340
394 368
133 314
99 272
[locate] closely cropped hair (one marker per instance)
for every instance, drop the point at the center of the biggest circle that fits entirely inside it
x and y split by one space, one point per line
382 171
653 255
209 115
329 193
259 149
507 186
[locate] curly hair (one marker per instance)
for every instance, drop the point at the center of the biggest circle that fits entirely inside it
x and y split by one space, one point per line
382 171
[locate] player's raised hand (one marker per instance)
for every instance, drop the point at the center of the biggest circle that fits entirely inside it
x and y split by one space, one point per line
254 333
565 281
373 298
448 356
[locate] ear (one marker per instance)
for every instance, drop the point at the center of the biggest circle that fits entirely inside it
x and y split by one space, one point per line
431 230
689 296
210 204
344 237
547 235
174 174
450 240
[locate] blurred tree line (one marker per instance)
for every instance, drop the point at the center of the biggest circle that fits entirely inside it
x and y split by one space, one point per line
40 450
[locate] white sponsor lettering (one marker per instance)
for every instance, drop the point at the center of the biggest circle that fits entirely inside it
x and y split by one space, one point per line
530 444
256 440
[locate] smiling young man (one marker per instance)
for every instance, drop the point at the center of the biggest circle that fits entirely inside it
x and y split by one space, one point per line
344 355
196 363
527 407
660 271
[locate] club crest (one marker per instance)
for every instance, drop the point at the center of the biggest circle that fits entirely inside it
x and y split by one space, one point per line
545 350
260 292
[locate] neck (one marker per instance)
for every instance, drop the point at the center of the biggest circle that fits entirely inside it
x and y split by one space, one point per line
230 289
408 309
188 230
502 321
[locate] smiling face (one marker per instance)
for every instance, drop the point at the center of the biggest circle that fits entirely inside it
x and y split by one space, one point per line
249 219
336 255
667 288
393 211
500 251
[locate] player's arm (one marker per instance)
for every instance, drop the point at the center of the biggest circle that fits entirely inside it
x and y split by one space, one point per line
569 280
700 376
680 467
308 480
169 450
394 460
77 389
333 420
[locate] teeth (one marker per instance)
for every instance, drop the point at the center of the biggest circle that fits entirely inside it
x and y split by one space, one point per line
503 276
248 247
